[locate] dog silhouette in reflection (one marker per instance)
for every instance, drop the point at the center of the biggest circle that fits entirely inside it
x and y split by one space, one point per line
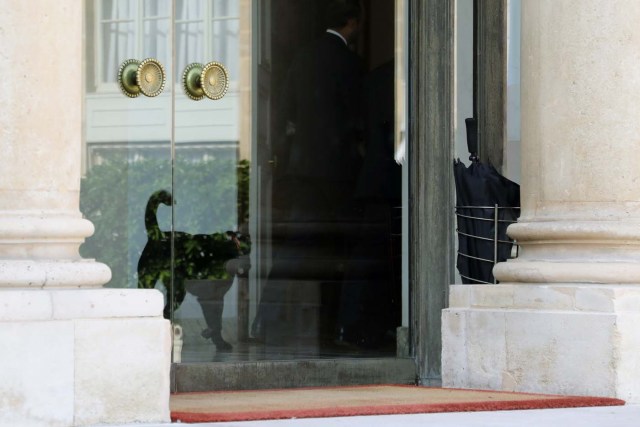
213 258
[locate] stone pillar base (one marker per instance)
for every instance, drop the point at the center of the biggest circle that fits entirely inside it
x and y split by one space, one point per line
557 339
83 357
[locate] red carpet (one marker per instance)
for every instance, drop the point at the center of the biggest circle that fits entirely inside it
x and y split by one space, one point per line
359 400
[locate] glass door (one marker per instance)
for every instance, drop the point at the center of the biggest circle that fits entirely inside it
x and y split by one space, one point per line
128 139
333 286
212 163
258 188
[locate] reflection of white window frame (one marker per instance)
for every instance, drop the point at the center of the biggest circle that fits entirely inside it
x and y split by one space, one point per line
212 21
208 21
101 82
208 54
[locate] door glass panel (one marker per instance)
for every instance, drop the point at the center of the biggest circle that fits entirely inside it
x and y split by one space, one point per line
333 286
127 141
210 182
292 177
268 208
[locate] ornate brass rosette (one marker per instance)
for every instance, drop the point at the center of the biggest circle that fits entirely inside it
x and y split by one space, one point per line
151 77
214 80
146 77
127 78
191 81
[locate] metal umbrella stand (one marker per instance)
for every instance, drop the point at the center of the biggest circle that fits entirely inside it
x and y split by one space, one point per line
486 203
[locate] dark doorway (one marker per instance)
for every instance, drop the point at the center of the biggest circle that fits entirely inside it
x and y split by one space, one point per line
334 286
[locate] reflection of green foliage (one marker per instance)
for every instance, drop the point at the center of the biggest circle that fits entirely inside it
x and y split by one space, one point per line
209 195
108 198
243 191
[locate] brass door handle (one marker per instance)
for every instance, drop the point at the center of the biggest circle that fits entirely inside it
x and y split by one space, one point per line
210 80
146 77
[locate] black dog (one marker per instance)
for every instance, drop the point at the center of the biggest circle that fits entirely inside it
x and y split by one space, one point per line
216 257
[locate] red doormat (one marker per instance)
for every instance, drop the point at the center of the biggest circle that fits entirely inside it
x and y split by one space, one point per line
316 402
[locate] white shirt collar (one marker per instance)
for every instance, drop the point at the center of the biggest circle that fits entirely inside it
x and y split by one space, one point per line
339 35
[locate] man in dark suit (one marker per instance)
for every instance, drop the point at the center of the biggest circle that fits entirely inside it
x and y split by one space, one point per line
317 168
322 109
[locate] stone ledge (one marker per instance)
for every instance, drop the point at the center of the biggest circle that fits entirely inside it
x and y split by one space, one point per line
555 338
84 372
63 304
576 230
37 274
556 297
568 353
521 270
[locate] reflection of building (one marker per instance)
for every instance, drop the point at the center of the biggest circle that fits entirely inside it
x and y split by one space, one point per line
135 136
563 321
204 32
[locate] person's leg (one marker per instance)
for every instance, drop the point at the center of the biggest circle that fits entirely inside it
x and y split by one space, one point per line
212 309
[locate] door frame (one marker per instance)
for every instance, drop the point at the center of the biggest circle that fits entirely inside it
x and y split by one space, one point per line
431 154
490 78
431 235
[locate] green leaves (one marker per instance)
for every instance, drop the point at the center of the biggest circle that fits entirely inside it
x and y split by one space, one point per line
209 197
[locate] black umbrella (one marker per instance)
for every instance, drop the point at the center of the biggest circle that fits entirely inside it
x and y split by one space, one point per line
486 203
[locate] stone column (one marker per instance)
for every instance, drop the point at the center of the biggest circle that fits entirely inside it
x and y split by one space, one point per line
41 227
563 320
66 357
